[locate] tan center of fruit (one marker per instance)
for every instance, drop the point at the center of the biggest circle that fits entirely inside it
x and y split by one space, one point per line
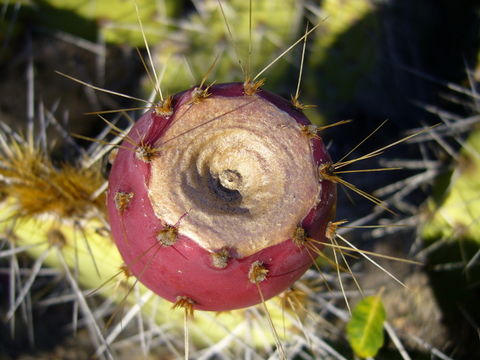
240 168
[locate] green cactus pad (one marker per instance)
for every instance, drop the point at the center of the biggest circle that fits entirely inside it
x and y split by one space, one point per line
455 214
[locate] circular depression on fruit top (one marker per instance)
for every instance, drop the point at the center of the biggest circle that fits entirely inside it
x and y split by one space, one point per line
206 197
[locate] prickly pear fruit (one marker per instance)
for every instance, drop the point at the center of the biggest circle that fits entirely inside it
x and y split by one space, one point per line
215 197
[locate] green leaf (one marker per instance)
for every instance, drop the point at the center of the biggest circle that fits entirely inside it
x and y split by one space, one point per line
365 328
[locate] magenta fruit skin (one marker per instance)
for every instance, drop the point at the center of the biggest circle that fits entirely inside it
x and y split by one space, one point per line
185 269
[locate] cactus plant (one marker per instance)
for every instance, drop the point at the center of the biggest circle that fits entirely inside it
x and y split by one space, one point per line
69 232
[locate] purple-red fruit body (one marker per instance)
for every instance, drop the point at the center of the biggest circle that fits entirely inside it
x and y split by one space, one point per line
206 201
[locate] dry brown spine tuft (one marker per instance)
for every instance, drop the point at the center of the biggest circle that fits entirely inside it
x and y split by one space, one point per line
251 87
327 172
310 131
299 236
258 272
40 187
185 303
332 227
164 107
168 236
220 258
122 200
146 153
199 94
298 105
